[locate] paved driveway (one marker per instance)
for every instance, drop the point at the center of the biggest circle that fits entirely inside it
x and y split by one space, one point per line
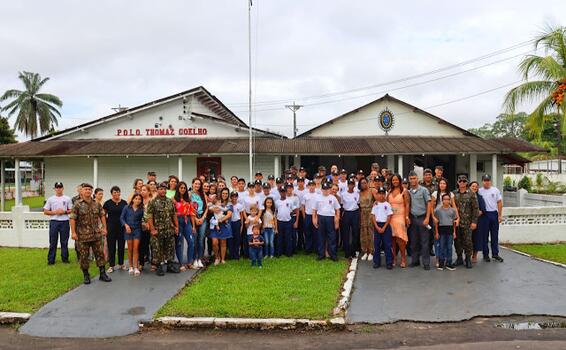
520 285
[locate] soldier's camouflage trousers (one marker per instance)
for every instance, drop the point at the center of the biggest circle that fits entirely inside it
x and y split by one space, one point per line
162 248
463 241
84 253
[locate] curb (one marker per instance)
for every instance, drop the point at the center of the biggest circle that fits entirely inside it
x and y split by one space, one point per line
535 258
248 323
13 317
347 289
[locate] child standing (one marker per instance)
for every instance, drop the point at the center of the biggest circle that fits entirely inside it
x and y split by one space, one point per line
252 219
269 227
381 218
445 232
236 223
256 242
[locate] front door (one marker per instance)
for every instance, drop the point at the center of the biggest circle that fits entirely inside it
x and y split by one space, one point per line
209 167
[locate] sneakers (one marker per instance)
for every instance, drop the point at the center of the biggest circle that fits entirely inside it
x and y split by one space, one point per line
459 261
498 258
390 267
426 267
364 257
450 267
131 271
440 266
370 257
375 266
486 258
137 272
110 269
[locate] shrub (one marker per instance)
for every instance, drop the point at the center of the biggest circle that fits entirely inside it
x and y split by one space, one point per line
539 180
507 181
525 183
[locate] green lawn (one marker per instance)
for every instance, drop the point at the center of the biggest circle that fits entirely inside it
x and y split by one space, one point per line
554 252
297 287
33 202
27 282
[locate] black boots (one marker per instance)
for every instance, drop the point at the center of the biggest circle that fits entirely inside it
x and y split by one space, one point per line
161 270
468 262
459 261
86 279
103 276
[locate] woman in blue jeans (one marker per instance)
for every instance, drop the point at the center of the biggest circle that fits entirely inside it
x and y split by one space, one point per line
269 227
198 200
186 223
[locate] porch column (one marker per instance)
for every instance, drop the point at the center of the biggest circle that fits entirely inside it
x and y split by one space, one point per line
391 162
400 166
473 167
2 185
18 179
276 166
494 169
286 162
180 165
95 172
297 161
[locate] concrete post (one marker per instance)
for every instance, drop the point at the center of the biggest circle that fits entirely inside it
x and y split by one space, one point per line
473 167
18 179
391 162
276 166
400 166
521 197
494 170
2 185
180 170
95 172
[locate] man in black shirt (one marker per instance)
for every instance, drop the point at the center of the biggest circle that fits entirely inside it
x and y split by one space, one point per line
113 209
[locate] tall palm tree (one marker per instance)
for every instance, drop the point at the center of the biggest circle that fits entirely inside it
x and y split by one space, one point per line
37 112
549 73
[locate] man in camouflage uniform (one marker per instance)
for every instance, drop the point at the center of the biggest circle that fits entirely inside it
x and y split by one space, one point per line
88 225
468 208
438 175
163 225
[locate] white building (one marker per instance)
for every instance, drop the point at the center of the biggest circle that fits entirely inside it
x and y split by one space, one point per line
187 132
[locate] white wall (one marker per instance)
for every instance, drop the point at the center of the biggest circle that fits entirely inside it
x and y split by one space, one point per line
365 122
533 225
170 113
122 171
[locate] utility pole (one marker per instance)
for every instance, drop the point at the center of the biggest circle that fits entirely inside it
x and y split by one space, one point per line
250 86
294 108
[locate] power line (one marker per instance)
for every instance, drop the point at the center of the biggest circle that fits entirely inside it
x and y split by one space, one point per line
400 87
416 76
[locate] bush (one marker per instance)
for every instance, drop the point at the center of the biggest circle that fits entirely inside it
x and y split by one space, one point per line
539 179
525 183
507 181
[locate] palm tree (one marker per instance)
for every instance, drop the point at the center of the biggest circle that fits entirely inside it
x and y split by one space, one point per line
549 72
37 112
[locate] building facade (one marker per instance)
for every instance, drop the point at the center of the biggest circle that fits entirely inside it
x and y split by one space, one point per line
192 132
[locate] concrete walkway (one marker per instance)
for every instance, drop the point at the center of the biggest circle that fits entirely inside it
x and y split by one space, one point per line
106 309
520 285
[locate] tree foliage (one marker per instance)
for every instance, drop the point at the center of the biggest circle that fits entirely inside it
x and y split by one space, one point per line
36 112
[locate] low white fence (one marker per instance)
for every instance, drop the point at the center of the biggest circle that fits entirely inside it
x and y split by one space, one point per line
522 198
21 228
533 225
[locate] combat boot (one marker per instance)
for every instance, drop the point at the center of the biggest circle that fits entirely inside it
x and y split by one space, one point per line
86 279
459 261
161 270
103 276
468 262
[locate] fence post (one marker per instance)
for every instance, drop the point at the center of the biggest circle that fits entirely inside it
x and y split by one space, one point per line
521 193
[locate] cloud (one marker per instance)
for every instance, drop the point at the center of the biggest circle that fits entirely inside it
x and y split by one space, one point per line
103 53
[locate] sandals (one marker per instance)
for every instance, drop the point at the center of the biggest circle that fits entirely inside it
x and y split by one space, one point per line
123 267
131 271
137 272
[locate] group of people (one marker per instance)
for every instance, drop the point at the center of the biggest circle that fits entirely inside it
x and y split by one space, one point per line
174 226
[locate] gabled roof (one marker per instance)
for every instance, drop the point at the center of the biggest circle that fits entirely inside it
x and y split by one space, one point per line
390 98
199 92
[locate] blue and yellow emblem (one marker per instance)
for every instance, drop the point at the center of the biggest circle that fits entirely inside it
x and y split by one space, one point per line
386 120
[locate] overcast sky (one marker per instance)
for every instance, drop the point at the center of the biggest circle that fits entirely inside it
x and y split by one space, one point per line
100 54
